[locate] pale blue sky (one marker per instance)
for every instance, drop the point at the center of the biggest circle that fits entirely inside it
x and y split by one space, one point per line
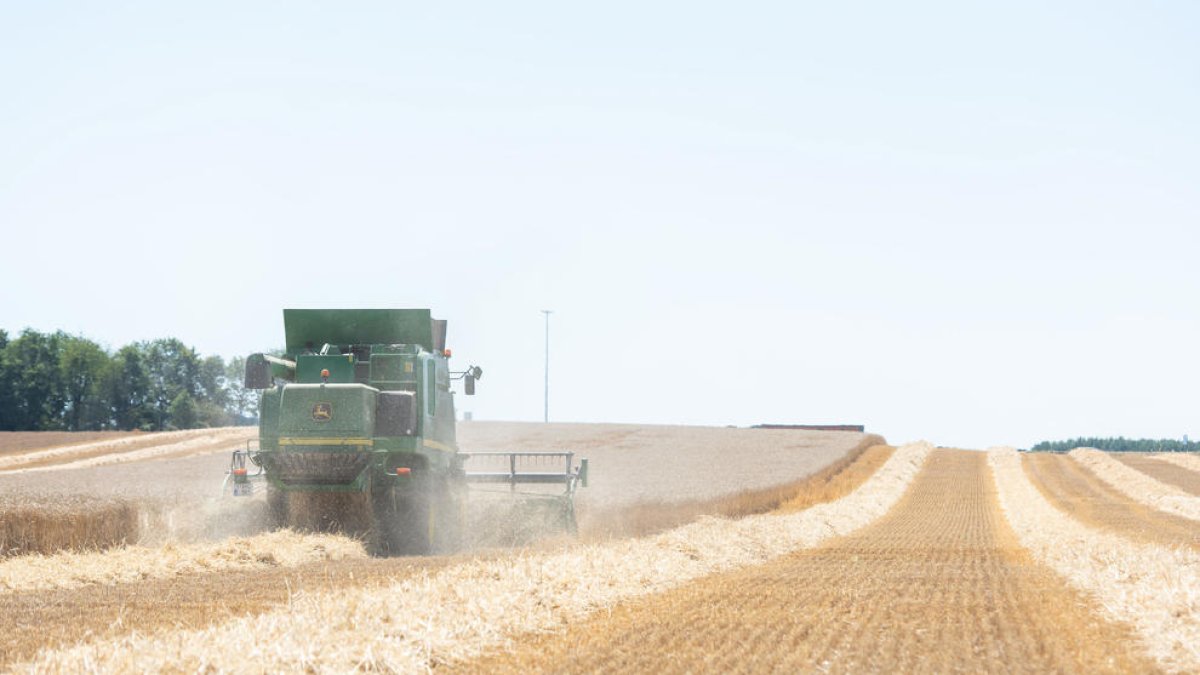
969 222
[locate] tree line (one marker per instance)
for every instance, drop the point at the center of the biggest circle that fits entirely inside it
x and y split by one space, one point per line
1119 444
56 381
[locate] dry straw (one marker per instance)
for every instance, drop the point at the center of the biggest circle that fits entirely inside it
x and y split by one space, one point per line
1137 485
1184 460
133 563
462 611
1153 588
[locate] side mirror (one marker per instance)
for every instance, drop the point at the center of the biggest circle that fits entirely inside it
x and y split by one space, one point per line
469 385
258 372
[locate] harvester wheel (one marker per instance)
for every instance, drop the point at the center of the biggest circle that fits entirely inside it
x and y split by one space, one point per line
403 521
421 520
277 507
449 514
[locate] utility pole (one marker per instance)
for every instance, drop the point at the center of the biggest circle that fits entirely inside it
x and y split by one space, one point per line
546 400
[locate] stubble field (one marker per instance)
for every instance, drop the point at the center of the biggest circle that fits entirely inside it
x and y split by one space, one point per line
701 550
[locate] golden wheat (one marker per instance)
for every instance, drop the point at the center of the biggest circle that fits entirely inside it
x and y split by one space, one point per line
47 523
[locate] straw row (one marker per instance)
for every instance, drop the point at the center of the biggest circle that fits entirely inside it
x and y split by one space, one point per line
460 612
1137 485
1184 460
1155 589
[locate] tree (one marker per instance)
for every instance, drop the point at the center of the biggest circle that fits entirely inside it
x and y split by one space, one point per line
183 411
1119 444
61 381
173 368
7 419
128 388
82 365
211 381
34 381
243 402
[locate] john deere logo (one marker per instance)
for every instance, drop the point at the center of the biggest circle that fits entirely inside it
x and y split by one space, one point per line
322 412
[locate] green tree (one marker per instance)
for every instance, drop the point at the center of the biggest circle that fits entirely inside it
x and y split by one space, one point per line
242 402
34 381
183 411
7 419
213 393
173 369
211 385
128 388
83 366
1119 444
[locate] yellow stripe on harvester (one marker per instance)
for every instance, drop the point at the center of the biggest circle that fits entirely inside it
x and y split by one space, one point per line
437 446
327 441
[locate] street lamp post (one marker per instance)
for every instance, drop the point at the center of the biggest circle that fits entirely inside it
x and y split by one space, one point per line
546 399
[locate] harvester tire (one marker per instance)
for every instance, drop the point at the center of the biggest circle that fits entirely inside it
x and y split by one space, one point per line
403 521
423 520
449 515
277 507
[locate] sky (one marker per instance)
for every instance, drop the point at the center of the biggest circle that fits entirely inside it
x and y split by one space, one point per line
973 223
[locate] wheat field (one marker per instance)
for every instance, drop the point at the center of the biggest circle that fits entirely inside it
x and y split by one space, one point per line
816 552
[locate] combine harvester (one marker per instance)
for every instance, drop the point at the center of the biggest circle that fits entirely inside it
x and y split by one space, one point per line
358 414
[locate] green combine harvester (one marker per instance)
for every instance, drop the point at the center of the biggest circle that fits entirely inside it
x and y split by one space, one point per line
357 418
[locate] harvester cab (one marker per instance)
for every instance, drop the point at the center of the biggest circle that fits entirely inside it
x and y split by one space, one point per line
356 420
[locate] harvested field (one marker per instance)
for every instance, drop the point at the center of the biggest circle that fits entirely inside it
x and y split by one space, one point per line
940 584
1076 491
1163 472
128 448
1137 485
1186 460
420 622
173 485
50 619
650 517
17 442
633 464
1155 589
870 558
